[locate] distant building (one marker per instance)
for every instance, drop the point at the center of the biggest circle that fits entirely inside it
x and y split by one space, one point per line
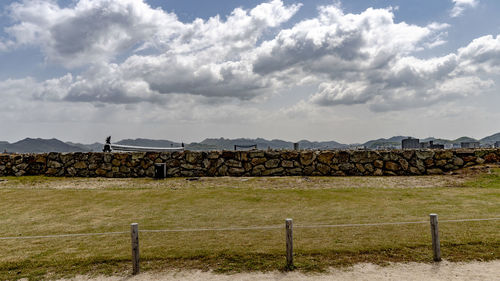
431 145
470 144
497 144
249 146
387 147
358 147
410 143
456 145
436 146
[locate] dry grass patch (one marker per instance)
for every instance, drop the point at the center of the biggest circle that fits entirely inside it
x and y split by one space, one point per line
37 182
41 206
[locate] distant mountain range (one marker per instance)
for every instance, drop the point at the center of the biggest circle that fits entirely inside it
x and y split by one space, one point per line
30 145
228 144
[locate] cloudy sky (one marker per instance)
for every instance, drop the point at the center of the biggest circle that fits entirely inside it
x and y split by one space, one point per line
185 70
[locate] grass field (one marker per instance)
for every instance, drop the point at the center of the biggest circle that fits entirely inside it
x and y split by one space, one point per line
42 206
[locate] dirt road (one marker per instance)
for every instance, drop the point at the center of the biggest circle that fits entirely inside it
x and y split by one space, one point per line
411 271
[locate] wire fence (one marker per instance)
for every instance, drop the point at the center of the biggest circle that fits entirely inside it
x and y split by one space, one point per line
288 227
242 228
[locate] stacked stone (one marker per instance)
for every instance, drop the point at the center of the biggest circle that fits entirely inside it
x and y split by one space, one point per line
22 164
247 163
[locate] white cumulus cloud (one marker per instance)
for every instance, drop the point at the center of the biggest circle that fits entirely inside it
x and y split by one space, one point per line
91 31
351 59
459 6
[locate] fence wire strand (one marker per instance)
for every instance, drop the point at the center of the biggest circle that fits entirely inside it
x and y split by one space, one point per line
216 229
65 235
239 228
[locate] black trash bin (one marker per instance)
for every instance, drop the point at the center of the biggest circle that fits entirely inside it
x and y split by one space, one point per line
160 170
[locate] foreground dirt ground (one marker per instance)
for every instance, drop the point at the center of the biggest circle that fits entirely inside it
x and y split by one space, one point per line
410 271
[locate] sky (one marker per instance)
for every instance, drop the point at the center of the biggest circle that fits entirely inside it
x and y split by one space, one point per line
185 70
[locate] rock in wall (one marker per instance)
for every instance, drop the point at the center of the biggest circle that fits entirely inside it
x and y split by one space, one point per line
247 163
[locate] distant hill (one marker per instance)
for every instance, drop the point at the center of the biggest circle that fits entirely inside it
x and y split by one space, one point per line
94 147
228 144
390 142
445 141
29 145
305 144
464 139
491 139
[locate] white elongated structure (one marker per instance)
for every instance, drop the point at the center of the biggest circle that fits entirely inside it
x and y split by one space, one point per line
118 147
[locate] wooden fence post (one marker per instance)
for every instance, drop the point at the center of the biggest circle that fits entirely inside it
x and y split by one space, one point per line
289 243
134 232
436 247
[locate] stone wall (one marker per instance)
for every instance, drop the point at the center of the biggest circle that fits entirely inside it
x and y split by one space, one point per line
247 163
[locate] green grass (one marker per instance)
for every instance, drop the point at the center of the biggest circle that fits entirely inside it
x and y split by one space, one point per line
41 206
490 180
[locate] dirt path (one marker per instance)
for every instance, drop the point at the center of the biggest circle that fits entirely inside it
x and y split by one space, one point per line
410 271
243 182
